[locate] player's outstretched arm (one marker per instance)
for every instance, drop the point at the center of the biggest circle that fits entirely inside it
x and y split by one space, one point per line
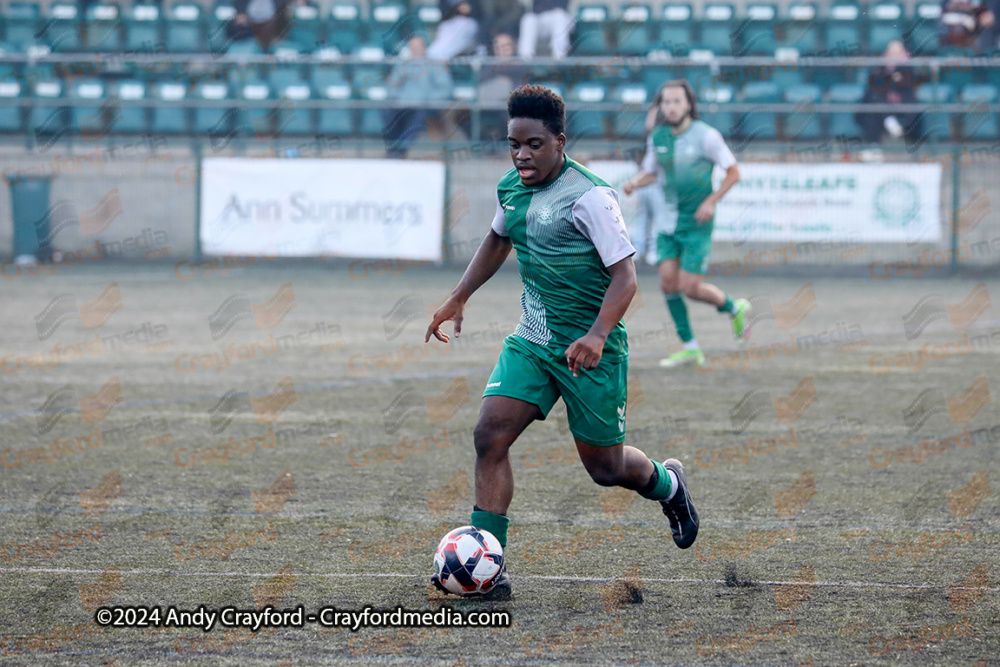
586 352
487 261
707 208
641 180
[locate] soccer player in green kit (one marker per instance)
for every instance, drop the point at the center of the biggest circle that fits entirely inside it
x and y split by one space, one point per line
575 261
681 152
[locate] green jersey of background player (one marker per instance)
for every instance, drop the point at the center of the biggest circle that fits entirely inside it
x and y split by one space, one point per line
681 152
575 261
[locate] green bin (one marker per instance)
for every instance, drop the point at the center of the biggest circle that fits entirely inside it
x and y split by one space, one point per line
30 200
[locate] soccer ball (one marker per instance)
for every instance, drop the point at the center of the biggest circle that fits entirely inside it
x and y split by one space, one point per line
468 561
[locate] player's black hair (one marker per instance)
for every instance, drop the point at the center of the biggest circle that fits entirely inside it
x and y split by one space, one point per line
688 93
540 103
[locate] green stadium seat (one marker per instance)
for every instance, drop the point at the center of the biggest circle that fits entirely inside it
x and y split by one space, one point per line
170 119
143 28
800 29
21 23
371 119
921 37
842 29
756 33
804 122
345 30
937 125
676 31
629 122
429 14
103 29
218 39
185 31
292 118
842 124
332 85
257 115
61 30
582 122
308 28
245 47
633 31
711 108
718 29
589 35
48 119
215 120
977 123
390 25
885 23
134 117
90 115
759 124
11 92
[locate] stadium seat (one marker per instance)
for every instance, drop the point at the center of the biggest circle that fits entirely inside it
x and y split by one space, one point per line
804 122
47 119
756 33
61 30
11 92
937 125
589 36
429 14
21 23
307 29
345 30
103 29
333 85
977 123
216 120
390 25
134 118
676 32
842 124
89 114
371 119
629 121
633 33
218 39
257 115
759 124
718 29
185 32
582 122
711 108
170 119
292 118
143 28
799 31
921 37
842 30
885 21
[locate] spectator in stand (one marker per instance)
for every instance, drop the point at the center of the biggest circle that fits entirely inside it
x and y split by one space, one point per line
890 84
456 34
267 20
415 81
546 18
969 24
496 17
496 83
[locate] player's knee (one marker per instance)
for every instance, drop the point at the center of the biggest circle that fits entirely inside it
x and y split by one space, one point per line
669 285
491 438
690 287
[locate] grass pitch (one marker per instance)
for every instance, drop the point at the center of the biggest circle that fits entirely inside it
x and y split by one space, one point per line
280 434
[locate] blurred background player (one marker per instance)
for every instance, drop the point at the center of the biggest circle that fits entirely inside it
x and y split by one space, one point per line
575 261
681 152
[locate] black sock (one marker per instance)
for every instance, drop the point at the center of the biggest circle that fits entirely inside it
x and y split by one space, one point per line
651 484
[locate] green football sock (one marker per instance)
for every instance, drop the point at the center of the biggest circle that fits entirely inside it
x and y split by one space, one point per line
494 523
661 483
728 306
679 311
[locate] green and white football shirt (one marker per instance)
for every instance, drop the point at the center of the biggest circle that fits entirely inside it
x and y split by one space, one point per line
566 233
684 165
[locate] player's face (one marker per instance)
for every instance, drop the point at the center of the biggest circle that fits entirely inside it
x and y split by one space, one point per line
536 152
674 105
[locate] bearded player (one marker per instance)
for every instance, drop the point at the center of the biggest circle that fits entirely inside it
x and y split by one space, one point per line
681 152
575 261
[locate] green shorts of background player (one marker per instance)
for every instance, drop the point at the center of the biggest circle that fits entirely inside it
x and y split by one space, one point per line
681 152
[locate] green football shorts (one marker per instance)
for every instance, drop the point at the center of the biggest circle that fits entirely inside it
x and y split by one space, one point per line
692 245
595 401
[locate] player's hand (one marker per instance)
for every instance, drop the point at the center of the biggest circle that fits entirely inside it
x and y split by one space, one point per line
705 211
628 188
451 309
585 353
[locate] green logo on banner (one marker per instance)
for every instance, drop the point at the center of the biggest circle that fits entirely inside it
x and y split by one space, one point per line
897 203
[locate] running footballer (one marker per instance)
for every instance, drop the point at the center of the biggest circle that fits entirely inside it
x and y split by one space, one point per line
575 261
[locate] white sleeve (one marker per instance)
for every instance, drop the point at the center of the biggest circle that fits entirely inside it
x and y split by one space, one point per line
717 151
598 217
649 162
499 224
